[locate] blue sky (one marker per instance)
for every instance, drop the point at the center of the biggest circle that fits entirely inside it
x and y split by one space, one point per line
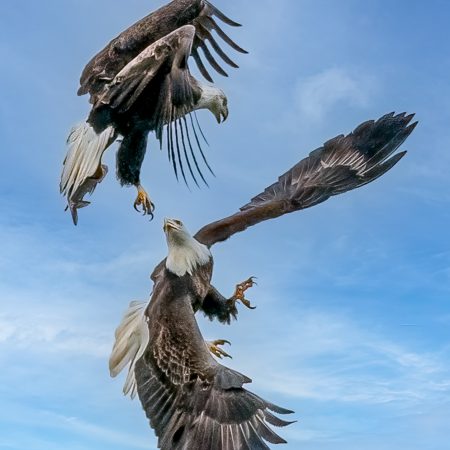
352 325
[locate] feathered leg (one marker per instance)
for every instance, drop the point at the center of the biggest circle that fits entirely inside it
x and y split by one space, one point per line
216 306
130 157
239 294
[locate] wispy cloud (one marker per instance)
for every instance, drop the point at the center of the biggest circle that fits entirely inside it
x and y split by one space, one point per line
47 333
53 298
320 94
94 431
328 357
53 423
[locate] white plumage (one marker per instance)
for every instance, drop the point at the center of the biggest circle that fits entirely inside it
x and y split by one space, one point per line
82 164
185 252
132 337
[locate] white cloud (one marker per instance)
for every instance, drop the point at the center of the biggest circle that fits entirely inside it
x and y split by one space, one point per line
49 331
326 356
96 431
51 421
56 299
319 94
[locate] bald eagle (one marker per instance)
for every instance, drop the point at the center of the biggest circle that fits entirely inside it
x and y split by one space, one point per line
140 82
191 400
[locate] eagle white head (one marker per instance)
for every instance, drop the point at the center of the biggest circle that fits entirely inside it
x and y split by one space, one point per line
215 100
185 252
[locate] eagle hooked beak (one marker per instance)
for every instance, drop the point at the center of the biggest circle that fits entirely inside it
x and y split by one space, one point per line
171 224
222 114
225 113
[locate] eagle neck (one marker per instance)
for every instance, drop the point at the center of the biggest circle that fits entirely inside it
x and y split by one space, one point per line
209 96
186 255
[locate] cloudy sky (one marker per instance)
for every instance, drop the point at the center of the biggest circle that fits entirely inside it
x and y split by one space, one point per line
353 317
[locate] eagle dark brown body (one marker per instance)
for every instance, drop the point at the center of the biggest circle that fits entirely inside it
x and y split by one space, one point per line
191 400
141 83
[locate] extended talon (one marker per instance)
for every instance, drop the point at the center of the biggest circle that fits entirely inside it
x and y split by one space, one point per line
213 347
239 294
143 200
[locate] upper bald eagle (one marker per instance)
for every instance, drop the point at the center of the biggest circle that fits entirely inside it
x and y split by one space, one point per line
140 82
191 400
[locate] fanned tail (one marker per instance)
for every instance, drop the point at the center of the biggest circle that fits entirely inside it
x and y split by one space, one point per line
132 338
82 168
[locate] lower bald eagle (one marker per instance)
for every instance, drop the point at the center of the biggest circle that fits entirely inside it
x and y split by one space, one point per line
141 83
191 400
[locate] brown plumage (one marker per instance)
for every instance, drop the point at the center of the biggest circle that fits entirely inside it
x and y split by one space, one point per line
141 82
202 14
191 400
340 165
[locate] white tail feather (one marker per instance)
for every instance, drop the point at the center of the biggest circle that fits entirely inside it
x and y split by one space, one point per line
132 337
84 156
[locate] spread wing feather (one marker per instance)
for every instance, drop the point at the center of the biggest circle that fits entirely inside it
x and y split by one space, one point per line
179 93
193 402
342 164
166 62
105 66
205 26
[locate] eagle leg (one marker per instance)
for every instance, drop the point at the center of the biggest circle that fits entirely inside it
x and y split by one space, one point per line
144 201
217 306
214 348
239 294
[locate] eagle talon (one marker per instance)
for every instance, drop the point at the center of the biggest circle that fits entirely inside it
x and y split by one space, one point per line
239 294
143 200
213 347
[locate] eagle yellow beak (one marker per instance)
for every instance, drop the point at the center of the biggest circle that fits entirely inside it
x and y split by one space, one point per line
225 113
222 114
171 224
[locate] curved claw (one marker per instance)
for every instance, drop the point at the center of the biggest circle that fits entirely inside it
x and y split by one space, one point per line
143 200
247 303
216 351
239 294
221 342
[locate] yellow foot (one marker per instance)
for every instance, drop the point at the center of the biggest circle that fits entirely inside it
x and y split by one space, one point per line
239 294
213 347
144 201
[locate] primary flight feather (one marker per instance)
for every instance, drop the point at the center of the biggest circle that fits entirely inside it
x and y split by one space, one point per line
139 83
191 400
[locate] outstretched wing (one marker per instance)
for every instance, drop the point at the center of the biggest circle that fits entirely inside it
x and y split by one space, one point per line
205 25
342 164
124 48
173 95
177 88
193 402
